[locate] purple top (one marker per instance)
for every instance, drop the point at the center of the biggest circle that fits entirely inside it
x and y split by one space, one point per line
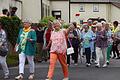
101 39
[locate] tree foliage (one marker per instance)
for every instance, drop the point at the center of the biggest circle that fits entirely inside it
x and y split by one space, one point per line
11 25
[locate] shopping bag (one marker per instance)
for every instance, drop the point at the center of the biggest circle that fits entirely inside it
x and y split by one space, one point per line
70 50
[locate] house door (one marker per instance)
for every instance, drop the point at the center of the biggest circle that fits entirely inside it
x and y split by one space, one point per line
56 14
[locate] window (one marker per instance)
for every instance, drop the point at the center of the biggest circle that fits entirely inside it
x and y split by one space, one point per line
95 7
48 10
82 8
43 10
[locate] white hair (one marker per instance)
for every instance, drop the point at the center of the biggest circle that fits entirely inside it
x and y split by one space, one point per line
99 24
27 20
56 21
103 22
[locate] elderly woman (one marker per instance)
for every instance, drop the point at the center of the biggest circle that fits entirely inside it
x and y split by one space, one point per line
74 41
101 45
110 41
86 38
58 50
3 44
26 43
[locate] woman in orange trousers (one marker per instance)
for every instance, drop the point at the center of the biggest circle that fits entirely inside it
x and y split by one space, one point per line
58 49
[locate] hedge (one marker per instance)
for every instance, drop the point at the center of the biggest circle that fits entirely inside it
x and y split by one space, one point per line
11 25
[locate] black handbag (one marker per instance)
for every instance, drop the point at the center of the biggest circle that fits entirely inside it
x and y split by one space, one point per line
3 52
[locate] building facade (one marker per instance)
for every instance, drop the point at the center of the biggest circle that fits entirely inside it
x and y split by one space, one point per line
94 9
68 10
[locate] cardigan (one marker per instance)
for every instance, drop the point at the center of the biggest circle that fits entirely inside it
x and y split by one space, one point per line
30 47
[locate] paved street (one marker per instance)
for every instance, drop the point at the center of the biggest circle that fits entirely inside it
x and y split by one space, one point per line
80 72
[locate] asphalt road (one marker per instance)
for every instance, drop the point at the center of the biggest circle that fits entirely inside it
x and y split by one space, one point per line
80 72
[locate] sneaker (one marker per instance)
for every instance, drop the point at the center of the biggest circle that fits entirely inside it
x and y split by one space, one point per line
75 64
97 65
19 77
6 77
88 64
95 62
31 77
108 62
68 65
48 79
66 79
105 65
113 57
118 58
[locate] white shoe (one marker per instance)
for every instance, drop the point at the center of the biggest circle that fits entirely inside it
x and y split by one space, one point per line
105 65
66 79
31 77
48 79
88 64
19 77
75 64
98 65
6 77
95 62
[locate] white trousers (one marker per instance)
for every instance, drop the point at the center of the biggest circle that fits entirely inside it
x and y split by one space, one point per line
22 58
100 51
4 65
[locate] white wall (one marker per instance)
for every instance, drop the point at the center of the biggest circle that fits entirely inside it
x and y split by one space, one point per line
4 4
115 13
32 10
88 12
63 6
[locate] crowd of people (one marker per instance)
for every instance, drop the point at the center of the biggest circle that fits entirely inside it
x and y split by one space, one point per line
90 40
7 13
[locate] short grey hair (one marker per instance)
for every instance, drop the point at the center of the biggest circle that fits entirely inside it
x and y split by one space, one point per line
99 24
56 21
27 20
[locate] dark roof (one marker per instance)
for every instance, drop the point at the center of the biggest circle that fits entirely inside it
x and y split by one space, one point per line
58 0
89 0
103 1
117 4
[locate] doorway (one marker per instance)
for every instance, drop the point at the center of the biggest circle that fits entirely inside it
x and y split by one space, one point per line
56 14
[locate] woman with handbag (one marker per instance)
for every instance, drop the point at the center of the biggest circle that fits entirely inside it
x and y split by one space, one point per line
3 51
26 43
74 41
58 49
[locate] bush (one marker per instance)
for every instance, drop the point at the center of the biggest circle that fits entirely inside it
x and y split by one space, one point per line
45 20
65 25
11 25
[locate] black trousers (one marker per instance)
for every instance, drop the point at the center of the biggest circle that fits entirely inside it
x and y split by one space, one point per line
88 55
115 49
74 56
